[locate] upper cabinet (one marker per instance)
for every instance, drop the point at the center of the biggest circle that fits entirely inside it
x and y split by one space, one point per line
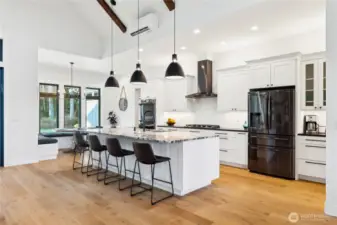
175 92
234 84
232 90
314 83
274 74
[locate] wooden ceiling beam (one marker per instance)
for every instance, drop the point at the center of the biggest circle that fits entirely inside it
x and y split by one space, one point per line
112 15
170 4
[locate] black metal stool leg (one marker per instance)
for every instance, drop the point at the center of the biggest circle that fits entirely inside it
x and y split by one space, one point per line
112 176
153 178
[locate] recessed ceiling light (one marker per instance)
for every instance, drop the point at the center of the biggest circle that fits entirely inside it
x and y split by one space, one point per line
196 31
183 48
141 49
223 43
254 28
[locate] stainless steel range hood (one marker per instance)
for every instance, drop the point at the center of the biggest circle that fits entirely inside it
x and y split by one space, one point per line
205 80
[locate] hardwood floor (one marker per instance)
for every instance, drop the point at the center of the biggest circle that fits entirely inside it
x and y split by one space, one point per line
51 193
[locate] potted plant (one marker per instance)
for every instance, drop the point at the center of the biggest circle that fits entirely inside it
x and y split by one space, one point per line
113 119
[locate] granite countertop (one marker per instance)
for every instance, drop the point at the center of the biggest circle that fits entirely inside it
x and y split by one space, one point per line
312 135
156 136
219 129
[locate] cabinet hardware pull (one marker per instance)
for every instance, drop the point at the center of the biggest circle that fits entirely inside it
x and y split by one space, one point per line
267 85
320 107
224 138
222 133
316 163
315 140
315 107
241 133
313 146
223 150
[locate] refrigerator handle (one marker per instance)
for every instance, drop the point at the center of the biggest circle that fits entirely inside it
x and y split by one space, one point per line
269 111
267 119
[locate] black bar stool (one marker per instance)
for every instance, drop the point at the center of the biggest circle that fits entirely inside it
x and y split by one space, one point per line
81 146
115 150
144 154
95 145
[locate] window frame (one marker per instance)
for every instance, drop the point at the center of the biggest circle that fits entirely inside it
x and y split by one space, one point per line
70 96
99 103
57 103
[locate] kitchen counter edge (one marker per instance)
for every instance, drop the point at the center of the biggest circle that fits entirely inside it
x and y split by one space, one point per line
219 129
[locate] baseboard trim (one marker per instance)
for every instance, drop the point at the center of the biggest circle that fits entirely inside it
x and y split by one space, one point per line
24 162
313 179
234 164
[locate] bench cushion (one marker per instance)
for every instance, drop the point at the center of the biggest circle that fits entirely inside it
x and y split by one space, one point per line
61 134
45 140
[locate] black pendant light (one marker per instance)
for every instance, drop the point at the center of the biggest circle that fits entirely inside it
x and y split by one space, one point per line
174 70
138 76
112 81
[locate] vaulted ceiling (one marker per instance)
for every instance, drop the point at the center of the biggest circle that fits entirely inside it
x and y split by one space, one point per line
219 20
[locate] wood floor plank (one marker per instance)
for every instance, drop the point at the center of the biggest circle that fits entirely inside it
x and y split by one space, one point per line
51 193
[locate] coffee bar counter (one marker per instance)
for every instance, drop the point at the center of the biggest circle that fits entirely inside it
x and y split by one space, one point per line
194 156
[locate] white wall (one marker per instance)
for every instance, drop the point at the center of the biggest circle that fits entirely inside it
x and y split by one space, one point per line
331 150
21 89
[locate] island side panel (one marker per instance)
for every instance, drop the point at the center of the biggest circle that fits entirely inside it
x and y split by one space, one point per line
200 163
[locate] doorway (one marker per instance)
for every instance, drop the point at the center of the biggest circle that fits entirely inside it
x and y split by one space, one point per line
1 117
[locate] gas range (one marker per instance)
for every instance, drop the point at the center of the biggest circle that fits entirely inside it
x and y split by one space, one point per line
202 126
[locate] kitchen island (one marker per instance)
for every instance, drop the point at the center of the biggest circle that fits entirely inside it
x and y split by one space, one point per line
194 156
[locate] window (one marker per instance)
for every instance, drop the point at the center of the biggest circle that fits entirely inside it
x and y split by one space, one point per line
93 107
72 107
48 107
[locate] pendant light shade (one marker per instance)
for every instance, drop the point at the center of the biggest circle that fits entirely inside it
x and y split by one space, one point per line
138 76
112 81
174 70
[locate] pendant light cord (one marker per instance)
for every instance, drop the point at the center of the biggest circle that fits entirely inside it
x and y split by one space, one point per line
138 34
112 46
174 29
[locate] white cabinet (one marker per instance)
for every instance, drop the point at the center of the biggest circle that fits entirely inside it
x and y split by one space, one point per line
283 73
233 148
233 90
314 84
175 92
260 76
274 74
311 158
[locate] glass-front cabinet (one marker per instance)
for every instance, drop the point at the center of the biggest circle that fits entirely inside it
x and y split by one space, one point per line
314 84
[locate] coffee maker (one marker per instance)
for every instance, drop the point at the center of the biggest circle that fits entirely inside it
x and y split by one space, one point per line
310 125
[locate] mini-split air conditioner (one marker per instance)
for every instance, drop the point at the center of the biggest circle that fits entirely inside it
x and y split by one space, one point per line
147 24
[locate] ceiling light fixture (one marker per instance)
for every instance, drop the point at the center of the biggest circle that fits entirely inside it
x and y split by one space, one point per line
112 81
254 28
141 50
196 31
174 70
183 48
138 76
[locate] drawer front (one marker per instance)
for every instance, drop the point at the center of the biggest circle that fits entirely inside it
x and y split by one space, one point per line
271 140
311 168
233 156
312 141
313 152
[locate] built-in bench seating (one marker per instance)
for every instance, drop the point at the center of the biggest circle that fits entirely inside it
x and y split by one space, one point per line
47 148
50 143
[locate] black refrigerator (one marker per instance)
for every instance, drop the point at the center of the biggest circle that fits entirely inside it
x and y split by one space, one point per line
271 126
